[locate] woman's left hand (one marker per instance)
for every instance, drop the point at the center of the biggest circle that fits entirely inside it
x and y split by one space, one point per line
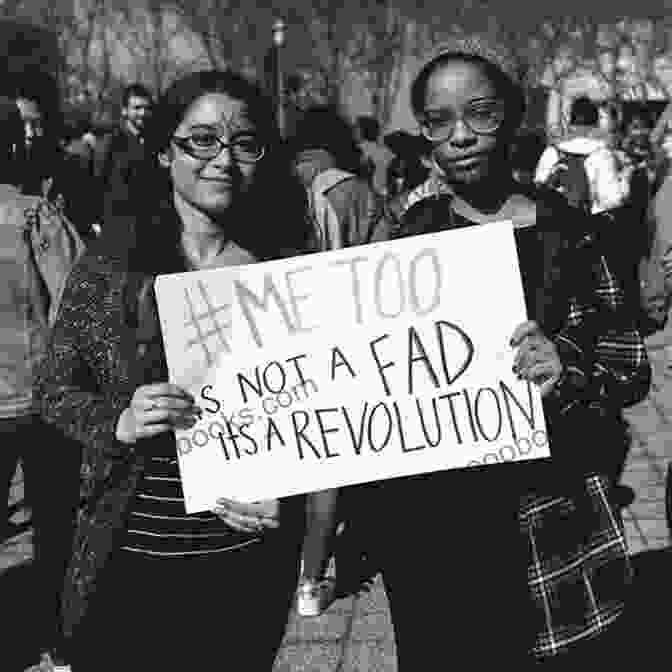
537 359
250 518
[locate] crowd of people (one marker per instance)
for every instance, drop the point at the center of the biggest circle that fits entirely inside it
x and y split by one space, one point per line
127 580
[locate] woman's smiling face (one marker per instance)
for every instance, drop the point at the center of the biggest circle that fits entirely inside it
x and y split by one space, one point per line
212 185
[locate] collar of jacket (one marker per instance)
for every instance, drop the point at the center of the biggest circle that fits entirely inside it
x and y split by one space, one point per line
312 162
432 187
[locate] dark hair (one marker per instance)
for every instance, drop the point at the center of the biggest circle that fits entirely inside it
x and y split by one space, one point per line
184 92
369 128
136 90
506 89
256 225
584 112
323 127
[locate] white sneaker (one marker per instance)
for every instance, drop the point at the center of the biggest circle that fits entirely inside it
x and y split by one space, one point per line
313 597
47 664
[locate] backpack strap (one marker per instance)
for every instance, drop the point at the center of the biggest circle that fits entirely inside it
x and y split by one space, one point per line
573 160
326 220
560 152
565 155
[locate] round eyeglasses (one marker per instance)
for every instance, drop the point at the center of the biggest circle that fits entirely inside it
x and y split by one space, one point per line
208 146
481 118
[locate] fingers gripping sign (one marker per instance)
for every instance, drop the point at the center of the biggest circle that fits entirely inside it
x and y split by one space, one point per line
249 518
154 409
537 358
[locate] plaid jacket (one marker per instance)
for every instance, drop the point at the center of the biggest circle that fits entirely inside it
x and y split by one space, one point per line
579 569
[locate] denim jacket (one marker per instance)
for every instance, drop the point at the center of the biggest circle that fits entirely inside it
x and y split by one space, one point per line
38 248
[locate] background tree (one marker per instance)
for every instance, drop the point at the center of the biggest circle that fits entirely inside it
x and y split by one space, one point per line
360 54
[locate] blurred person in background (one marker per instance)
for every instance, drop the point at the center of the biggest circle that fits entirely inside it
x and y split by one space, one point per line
375 155
52 172
643 162
323 149
633 243
121 160
344 210
38 249
586 147
413 149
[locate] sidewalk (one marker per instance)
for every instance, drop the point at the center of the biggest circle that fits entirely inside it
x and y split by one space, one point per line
355 634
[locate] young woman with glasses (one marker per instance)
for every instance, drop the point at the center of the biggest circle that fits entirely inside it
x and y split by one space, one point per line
501 566
149 587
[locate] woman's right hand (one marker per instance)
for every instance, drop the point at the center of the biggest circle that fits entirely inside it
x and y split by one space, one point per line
154 409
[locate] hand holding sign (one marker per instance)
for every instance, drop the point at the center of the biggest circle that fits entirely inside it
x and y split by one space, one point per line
250 518
537 358
155 409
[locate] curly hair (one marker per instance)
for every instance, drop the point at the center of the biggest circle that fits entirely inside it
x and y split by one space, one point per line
155 239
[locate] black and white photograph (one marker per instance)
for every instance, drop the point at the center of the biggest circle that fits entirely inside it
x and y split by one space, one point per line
335 336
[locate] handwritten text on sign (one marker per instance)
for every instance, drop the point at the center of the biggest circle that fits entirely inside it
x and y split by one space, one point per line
350 366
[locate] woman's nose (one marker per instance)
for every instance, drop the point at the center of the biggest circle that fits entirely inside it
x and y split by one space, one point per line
224 158
462 134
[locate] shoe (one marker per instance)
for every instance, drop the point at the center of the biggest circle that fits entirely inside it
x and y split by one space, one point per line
49 664
314 597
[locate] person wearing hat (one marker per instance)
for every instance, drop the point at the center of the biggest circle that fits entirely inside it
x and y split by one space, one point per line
38 247
510 565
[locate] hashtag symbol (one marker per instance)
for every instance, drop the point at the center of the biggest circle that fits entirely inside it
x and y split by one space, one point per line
213 326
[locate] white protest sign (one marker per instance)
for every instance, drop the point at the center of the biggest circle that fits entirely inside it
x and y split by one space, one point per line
351 366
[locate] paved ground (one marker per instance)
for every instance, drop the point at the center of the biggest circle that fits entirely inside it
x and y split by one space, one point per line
355 634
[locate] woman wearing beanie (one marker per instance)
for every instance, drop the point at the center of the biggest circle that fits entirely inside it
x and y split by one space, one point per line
510 565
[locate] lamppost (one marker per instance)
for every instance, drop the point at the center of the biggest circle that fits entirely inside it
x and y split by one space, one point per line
279 27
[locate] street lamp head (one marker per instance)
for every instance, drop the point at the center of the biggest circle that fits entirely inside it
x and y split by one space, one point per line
279 32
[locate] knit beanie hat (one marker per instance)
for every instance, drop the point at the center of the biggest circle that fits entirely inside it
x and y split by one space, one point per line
475 46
